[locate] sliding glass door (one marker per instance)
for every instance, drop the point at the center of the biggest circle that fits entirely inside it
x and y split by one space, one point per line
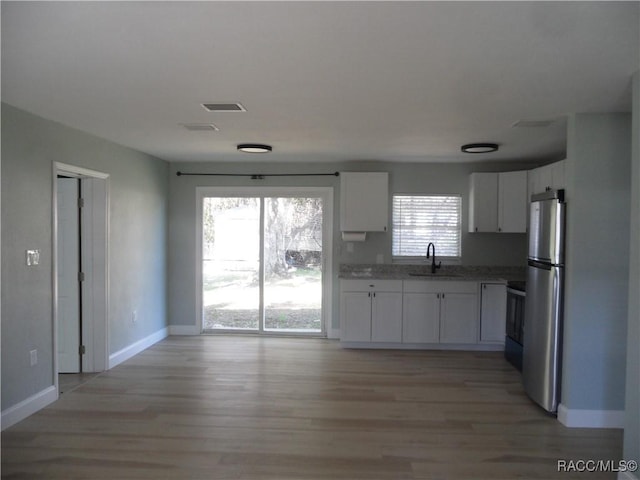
293 264
262 263
231 263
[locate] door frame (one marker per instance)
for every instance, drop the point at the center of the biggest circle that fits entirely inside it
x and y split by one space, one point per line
326 193
95 261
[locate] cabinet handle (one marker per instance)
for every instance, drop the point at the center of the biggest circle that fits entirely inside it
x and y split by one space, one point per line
476 229
443 295
437 295
369 294
374 294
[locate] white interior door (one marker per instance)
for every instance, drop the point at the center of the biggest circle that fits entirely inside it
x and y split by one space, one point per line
68 268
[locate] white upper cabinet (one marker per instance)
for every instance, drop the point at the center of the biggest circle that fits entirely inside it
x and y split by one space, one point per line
558 179
550 176
498 202
483 202
512 202
364 201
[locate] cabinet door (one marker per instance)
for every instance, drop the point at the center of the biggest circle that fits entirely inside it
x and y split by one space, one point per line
420 318
458 318
355 316
512 202
545 178
558 175
533 182
483 202
364 201
386 317
493 312
548 176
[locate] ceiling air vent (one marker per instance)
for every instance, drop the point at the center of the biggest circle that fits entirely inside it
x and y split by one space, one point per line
200 127
532 123
223 107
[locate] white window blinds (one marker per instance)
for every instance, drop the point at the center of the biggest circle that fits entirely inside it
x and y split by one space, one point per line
418 220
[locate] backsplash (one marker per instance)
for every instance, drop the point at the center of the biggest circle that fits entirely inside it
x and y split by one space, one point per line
488 271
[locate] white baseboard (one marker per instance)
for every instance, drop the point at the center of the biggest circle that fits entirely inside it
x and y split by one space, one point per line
590 418
31 405
470 347
183 330
137 347
626 476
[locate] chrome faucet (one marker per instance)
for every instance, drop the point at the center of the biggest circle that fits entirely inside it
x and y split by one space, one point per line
433 257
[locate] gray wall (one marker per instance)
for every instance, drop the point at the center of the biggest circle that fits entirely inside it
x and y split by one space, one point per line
138 242
597 268
417 178
632 421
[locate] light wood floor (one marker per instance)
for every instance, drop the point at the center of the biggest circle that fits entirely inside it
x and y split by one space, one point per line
231 407
67 382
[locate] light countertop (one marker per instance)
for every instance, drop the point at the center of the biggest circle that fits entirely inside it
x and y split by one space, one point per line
423 272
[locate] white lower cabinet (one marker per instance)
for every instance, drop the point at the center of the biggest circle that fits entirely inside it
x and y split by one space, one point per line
386 317
440 312
410 312
371 311
420 317
493 312
459 317
355 313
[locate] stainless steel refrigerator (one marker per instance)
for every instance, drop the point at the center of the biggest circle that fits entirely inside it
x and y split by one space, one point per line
542 347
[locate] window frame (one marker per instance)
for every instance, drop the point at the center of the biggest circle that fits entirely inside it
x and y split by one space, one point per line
412 259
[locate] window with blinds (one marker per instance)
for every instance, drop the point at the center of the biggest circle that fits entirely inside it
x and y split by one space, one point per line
420 219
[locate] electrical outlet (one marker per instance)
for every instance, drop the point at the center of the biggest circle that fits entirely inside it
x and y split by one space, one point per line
134 316
33 357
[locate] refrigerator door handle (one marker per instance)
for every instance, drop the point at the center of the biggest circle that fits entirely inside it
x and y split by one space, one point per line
539 264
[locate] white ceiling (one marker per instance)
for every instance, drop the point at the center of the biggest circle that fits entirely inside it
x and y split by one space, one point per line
321 81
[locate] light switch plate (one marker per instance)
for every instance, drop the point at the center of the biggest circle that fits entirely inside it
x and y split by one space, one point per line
33 257
33 357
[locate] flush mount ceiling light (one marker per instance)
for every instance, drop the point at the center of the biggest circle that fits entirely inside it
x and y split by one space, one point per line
479 147
254 148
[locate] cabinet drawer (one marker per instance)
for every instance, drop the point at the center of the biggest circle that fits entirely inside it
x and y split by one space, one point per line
439 286
371 285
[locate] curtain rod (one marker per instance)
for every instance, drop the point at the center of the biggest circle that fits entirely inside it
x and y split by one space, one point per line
259 176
